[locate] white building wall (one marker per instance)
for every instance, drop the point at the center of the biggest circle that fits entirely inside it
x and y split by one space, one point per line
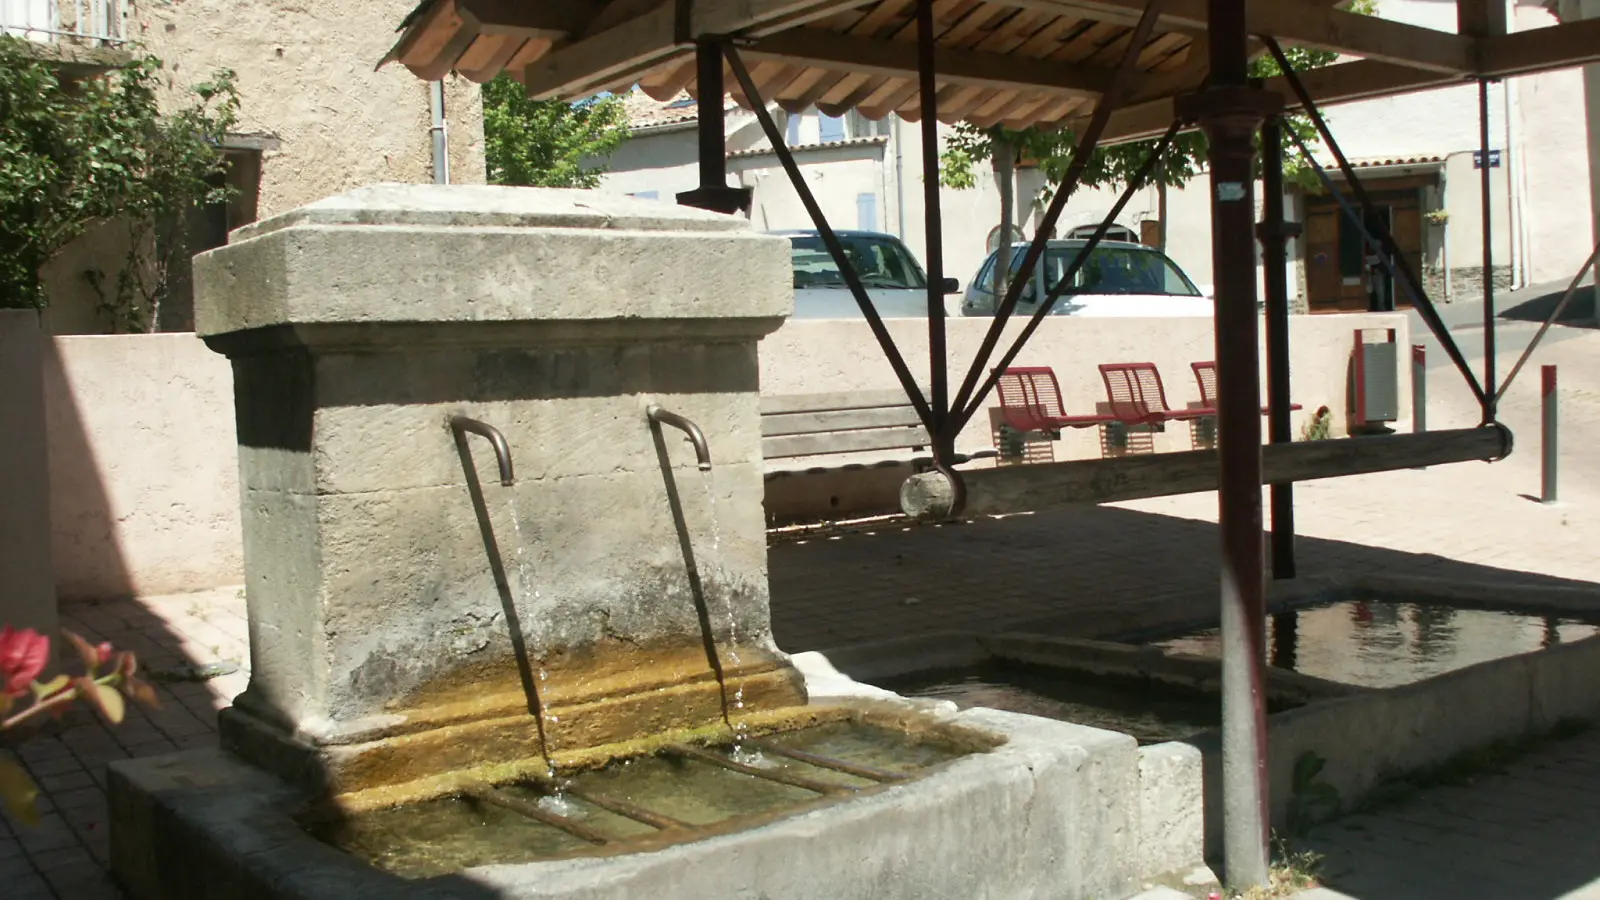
1534 222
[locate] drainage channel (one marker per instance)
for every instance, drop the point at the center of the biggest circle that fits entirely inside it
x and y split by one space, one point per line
663 823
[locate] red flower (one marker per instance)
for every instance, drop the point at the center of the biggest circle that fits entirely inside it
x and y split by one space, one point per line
23 655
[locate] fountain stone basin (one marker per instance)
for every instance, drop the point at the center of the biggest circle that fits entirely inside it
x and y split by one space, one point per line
386 650
418 632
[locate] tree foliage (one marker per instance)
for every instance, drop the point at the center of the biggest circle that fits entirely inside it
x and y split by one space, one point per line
75 154
1051 149
547 143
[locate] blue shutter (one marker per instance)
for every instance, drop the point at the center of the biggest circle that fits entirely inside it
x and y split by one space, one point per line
793 137
867 212
831 127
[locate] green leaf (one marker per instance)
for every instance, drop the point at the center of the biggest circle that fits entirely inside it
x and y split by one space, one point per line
18 792
51 687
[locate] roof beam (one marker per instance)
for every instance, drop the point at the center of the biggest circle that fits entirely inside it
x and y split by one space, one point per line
1540 49
1305 23
898 59
641 42
1342 83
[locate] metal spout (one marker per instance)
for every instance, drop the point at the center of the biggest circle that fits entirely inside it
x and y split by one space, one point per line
701 451
502 453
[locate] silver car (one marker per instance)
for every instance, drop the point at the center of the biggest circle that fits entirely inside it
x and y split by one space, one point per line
1118 279
894 281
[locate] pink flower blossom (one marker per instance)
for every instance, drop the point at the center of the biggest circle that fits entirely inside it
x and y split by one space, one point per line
23 655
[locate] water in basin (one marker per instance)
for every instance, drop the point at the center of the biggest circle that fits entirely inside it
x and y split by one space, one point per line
1150 711
640 803
1379 643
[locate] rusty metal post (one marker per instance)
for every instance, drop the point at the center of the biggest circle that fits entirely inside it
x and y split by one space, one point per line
942 435
1489 397
1230 111
1274 233
713 193
1547 395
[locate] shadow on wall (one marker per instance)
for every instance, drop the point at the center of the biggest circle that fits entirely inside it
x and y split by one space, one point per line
85 550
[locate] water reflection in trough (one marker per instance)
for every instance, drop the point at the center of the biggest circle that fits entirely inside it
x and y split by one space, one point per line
1382 643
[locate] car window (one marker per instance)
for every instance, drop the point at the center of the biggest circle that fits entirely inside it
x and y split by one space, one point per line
1115 270
881 262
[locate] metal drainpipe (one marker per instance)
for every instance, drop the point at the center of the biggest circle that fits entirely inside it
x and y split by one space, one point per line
899 182
441 133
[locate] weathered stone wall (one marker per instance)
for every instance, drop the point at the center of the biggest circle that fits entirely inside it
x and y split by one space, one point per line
306 76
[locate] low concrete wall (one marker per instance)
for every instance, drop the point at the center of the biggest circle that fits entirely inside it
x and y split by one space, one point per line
143 459
825 356
144 495
27 599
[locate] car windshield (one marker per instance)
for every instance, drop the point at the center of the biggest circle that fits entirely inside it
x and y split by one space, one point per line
1109 270
882 262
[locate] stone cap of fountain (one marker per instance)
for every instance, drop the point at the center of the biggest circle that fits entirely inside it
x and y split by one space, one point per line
399 253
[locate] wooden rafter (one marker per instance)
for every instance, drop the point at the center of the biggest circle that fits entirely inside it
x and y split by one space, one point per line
831 50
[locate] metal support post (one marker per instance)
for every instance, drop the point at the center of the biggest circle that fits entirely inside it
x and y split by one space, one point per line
1547 396
1419 390
713 193
1489 396
942 435
1231 111
1274 234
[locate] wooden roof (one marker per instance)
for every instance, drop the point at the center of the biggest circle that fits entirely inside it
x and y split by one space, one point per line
1016 62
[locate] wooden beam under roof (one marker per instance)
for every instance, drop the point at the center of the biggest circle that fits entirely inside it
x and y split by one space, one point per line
1499 56
651 38
1306 23
831 50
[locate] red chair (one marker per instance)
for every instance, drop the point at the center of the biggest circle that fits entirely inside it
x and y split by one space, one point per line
1205 375
1137 397
1030 400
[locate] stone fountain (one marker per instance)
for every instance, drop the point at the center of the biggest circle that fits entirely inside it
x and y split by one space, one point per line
418 632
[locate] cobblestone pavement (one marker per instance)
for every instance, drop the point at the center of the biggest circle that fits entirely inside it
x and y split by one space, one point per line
1531 832
1085 571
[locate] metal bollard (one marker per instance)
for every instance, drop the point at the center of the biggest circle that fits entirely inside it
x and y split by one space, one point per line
1547 395
1419 390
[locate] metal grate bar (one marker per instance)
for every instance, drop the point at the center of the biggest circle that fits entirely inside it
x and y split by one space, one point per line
828 762
518 805
628 810
799 781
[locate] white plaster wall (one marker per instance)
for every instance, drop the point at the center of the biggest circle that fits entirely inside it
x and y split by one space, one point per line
1463 200
144 494
143 457
819 356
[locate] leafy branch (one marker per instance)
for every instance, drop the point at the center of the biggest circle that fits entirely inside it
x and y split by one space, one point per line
109 676
77 154
548 143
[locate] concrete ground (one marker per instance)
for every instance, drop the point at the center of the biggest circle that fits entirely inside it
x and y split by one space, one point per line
1525 835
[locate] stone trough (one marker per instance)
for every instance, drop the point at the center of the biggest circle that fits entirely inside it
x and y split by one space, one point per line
420 632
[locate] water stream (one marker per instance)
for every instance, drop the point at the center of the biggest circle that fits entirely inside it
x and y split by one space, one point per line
526 594
714 573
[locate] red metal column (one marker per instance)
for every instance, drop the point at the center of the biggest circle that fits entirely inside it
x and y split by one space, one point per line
1230 111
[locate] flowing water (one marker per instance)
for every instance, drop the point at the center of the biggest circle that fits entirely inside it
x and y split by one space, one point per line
1380 643
734 703
526 595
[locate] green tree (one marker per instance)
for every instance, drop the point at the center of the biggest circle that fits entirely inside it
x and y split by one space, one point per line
1115 165
545 143
76 154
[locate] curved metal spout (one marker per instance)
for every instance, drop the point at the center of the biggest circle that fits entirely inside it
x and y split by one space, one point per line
701 451
502 453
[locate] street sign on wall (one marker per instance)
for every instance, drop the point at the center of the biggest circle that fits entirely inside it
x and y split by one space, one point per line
1494 159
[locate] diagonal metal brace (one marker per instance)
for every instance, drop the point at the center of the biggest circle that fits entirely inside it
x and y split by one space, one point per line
965 414
835 249
1394 261
1088 142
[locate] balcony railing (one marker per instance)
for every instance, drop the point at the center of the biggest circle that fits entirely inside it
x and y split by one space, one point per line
90 22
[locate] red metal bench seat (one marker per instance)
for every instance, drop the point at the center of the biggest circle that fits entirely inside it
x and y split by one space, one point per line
1030 400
